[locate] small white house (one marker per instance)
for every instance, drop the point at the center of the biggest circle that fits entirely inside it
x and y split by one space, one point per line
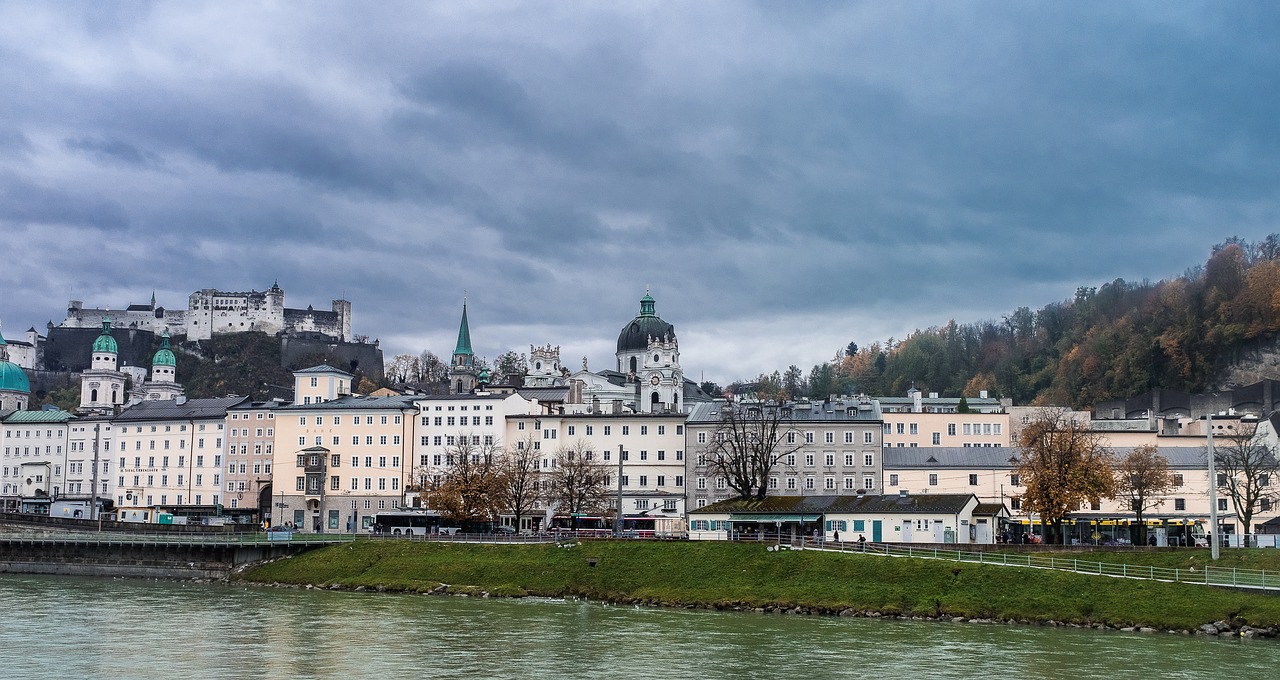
901 518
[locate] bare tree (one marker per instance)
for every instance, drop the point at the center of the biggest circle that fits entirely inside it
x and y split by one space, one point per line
749 441
466 492
1143 478
516 487
431 368
401 369
578 482
1064 464
1247 471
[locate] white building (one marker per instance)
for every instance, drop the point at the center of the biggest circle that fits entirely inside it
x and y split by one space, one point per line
33 464
169 458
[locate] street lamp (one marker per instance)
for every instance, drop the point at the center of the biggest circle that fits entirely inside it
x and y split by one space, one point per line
1214 549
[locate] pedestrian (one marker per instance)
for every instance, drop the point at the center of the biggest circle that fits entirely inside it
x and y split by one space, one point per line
836 536
862 542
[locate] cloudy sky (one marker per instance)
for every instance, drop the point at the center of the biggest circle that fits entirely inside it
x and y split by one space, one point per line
785 177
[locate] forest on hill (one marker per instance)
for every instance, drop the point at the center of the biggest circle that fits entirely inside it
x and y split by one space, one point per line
1108 342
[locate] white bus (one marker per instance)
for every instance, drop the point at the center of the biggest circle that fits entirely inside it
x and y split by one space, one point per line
406 523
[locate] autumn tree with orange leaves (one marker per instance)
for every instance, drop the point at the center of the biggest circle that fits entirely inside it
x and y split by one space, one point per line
1064 464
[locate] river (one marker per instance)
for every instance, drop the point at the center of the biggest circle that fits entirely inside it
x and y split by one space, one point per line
61 627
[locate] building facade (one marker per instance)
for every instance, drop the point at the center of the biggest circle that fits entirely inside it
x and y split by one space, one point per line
831 447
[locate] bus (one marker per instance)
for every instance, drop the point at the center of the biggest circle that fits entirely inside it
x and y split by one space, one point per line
407 523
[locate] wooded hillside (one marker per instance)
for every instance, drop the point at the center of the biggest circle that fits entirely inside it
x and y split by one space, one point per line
1109 342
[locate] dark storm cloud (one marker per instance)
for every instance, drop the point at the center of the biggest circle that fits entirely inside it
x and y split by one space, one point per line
786 178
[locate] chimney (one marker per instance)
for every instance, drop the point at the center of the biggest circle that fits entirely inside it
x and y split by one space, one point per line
982 394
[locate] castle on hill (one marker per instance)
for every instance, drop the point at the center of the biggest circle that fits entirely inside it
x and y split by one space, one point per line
213 312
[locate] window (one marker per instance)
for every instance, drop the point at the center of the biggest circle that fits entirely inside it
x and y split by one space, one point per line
933 479
902 428
915 429
866 438
1222 504
808 437
1177 480
937 438
973 480
1015 503
1015 480
893 480
951 429
702 437
829 459
868 459
830 438
848 460
829 483
808 460
644 430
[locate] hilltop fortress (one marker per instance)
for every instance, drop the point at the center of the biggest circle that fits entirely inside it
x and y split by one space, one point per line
214 312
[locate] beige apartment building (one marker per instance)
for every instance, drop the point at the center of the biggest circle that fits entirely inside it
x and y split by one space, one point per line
169 460
250 452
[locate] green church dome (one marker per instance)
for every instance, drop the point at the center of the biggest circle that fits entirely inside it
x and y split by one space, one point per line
164 357
104 342
13 378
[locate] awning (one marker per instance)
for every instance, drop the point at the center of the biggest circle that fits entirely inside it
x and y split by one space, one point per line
743 517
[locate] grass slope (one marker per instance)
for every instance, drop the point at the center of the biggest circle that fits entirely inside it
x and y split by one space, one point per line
746 575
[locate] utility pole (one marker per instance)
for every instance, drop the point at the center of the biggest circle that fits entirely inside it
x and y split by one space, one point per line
617 516
1214 550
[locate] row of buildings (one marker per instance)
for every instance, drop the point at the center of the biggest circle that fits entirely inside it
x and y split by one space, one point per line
328 460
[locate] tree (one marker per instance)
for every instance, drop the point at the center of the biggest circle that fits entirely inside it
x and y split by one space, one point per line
467 491
431 368
1063 465
749 441
511 367
516 485
401 369
793 384
578 483
1247 471
963 406
710 388
1142 478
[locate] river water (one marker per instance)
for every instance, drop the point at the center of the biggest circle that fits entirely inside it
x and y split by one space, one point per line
61 627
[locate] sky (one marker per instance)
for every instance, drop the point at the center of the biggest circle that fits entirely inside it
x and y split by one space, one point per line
785 178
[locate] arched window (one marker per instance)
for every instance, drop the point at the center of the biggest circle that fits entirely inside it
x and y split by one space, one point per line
633 364
654 398
93 395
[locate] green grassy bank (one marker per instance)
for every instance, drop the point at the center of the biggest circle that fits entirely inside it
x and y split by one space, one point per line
724 575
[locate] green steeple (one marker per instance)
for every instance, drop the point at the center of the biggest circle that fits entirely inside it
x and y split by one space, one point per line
104 342
462 353
164 356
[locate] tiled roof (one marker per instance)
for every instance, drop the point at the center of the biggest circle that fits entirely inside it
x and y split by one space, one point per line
58 416
170 409
323 369
982 457
544 394
898 504
357 402
810 412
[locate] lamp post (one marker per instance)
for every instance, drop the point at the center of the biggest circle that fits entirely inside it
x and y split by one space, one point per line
1214 550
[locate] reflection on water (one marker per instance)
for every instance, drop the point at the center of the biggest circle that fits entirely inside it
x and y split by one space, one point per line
58 627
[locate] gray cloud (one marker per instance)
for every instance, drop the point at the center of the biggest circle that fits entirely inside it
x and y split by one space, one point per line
785 180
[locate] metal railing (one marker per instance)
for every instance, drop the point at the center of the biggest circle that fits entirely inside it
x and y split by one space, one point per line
1207 575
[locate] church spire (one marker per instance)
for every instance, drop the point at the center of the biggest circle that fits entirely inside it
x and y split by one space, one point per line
463 348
